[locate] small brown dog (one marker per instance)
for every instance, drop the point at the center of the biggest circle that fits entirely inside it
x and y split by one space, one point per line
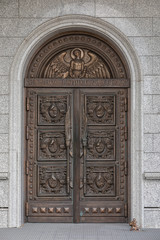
133 225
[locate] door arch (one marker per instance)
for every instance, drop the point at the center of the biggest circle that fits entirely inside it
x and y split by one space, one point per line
18 70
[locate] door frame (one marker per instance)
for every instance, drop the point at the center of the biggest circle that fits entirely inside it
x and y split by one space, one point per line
24 53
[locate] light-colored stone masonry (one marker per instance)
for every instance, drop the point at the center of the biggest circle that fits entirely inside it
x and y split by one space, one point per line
139 20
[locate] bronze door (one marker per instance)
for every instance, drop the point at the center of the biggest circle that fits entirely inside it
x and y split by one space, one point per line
76 158
103 161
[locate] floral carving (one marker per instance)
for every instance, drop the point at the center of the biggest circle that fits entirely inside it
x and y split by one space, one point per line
100 109
100 180
52 145
53 109
101 144
52 180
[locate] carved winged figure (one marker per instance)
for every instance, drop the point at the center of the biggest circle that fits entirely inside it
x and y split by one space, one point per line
77 67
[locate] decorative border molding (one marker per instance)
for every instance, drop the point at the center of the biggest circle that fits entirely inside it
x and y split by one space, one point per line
152 175
4 176
21 59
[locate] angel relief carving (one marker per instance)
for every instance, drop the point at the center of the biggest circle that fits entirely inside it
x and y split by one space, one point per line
77 63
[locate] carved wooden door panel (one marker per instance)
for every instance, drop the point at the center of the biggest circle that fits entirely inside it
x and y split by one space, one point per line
103 161
48 165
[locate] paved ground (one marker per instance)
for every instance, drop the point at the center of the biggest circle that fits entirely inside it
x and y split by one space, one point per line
48 231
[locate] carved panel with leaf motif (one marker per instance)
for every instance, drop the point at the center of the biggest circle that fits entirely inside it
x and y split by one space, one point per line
101 110
52 180
52 109
51 145
100 180
101 145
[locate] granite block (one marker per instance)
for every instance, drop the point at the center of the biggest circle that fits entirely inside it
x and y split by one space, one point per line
152 162
4 162
147 104
152 218
156 46
4 102
21 27
156 65
151 123
146 64
114 8
4 143
3 218
4 83
4 193
53 8
156 104
134 26
151 193
110 20
8 8
148 143
156 26
143 45
4 123
151 85
156 143
145 8
5 64
9 46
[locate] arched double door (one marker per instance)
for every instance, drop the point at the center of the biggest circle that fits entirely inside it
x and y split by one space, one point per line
77 132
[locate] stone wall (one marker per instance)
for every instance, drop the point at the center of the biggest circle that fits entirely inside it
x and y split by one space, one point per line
140 22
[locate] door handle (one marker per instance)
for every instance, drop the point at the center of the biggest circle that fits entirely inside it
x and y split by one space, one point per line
68 140
67 128
84 141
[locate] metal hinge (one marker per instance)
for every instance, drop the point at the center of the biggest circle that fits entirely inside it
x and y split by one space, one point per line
27 132
126 104
126 168
125 209
126 133
27 208
27 167
27 104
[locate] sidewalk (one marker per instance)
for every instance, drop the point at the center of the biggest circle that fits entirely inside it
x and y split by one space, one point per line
52 231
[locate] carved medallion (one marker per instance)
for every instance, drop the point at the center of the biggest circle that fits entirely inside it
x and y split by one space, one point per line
52 180
52 109
101 145
100 180
52 145
77 63
100 109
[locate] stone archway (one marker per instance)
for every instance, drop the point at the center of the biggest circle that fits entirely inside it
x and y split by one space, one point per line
37 37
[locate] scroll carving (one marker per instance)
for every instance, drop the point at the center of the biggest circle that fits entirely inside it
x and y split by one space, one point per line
52 180
77 63
100 109
100 180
